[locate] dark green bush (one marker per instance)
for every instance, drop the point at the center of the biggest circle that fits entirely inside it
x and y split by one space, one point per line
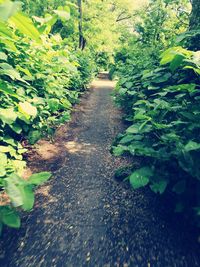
162 106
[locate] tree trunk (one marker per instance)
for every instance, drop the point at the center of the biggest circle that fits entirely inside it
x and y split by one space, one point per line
194 43
82 41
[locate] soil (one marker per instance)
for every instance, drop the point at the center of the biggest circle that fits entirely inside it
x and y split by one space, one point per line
83 216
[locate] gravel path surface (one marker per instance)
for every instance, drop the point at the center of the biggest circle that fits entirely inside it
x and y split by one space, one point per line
84 217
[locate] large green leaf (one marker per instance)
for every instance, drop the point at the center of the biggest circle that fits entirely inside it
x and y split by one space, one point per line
127 139
14 192
4 88
8 115
27 109
25 26
133 129
12 73
176 62
191 145
141 177
171 53
10 217
39 178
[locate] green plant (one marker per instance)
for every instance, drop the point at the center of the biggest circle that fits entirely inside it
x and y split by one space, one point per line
36 73
162 107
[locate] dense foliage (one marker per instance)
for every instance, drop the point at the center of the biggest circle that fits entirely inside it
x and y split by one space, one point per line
41 77
42 74
159 93
50 51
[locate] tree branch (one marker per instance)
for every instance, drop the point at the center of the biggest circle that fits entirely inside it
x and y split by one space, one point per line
125 18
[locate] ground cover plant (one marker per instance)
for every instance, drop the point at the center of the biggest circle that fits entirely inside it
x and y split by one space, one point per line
160 97
41 77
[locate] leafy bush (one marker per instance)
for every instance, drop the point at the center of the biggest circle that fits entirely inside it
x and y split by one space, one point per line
36 73
86 70
162 106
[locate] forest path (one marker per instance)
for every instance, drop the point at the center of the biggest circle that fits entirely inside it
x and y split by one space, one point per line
86 218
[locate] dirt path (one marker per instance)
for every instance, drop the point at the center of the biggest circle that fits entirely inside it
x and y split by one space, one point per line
85 218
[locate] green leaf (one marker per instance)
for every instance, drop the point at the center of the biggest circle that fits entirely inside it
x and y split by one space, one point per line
127 139
7 36
34 136
45 20
129 85
3 56
65 15
119 150
159 187
16 128
25 26
8 115
163 78
27 109
196 70
19 165
9 140
4 149
28 198
3 159
10 217
140 177
6 66
140 116
7 91
14 192
25 71
66 103
176 62
12 73
39 178
134 129
170 54
54 104
191 145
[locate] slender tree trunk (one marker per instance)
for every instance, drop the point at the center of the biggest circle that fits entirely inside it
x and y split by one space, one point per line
194 43
82 41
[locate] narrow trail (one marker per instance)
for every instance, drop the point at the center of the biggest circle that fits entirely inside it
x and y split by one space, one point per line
86 218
